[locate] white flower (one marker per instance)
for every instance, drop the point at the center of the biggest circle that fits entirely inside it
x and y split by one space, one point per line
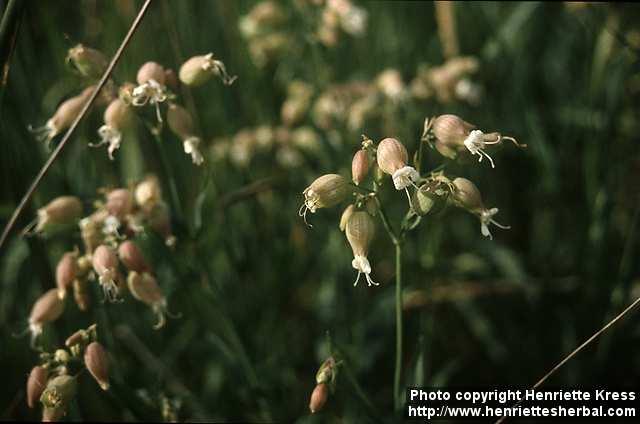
191 148
151 92
475 143
486 218
361 263
404 177
111 136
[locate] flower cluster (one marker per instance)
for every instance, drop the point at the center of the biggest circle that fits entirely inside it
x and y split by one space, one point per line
108 250
265 29
155 86
426 194
53 382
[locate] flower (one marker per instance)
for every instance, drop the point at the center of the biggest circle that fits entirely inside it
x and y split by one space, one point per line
467 196
359 166
151 88
47 308
145 288
91 63
66 272
105 264
97 362
198 69
36 384
181 123
117 117
326 191
454 135
360 230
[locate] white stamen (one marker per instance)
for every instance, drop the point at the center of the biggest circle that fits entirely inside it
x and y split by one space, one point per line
361 263
486 218
475 144
191 148
404 177
110 136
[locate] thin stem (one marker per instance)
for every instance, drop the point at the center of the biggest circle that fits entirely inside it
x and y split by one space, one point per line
578 349
385 222
74 125
397 391
175 196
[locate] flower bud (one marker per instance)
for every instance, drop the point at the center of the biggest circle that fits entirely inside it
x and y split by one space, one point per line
60 211
171 79
392 159
319 397
91 229
81 294
359 166
36 383
346 214
89 62
61 356
78 338
325 192
151 71
105 264
160 221
148 193
119 202
66 272
47 308
327 371
180 121
430 197
199 69
131 257
360 231
97 362
51 415
59 392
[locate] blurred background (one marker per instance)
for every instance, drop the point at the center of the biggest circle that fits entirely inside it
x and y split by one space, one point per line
261 294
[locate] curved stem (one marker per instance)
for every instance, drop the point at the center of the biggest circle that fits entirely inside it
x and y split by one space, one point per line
397 392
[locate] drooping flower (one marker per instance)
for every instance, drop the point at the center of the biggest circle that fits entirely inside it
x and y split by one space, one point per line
62 210
66 272
151 87
326 191
117 117
454 135
91 63
36 384
47 308
199 69
181 123
97 362
467 196
360 231
105 264
145 288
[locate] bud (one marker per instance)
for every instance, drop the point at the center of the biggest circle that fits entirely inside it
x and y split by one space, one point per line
89 62
61 119
360 230
66 272
97 362
52 414
327 371
60 211
47 308
78 338
119 202
36 383
105 264
131 257
91 229
59 392
359 166
81 294
325 192
467 196
171 79
392 159
318 398
61 356
346 214
148 193
199 69
431 197
145 288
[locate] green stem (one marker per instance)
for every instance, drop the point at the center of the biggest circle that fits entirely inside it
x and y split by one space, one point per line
176 205
397 393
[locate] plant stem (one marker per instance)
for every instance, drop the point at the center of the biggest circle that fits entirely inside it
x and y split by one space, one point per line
397 393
